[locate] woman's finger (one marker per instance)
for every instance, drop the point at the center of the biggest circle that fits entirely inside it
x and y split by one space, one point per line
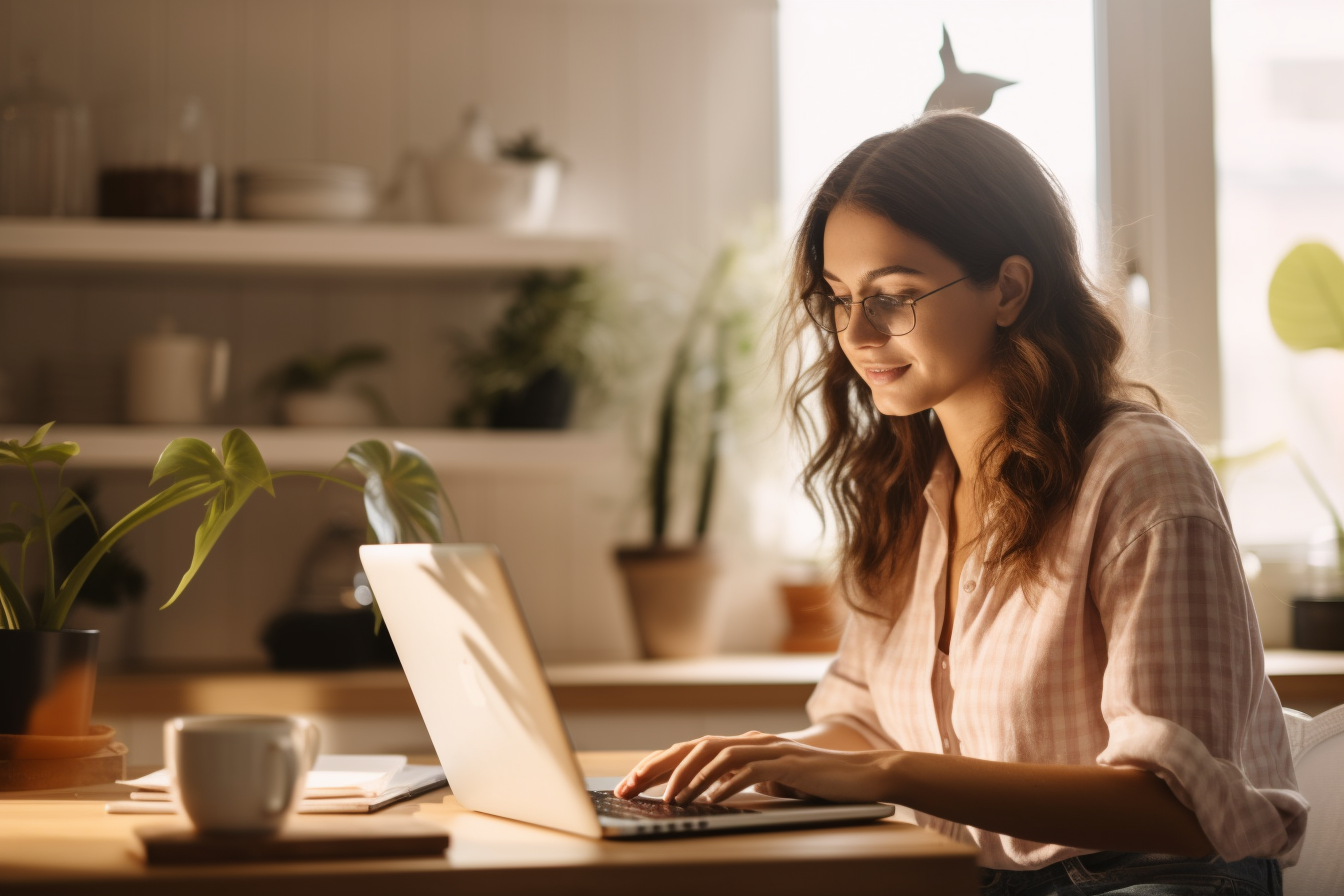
653 769
741 779
728 760
710 751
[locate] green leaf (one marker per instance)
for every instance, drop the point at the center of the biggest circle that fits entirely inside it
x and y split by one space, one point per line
54 612
187 458
12 533
401 492
70 496
197 471
12 603
40 435
33 451
1306 298
242 472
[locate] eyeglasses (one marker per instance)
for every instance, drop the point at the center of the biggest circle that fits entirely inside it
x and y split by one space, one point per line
889 315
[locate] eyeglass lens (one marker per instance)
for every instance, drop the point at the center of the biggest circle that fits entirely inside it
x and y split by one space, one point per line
892 317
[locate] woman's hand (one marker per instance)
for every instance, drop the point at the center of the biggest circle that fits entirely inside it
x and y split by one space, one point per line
718 767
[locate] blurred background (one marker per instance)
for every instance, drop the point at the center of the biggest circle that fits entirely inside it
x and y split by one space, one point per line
491 229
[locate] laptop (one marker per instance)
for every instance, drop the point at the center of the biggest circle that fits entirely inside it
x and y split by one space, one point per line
472 666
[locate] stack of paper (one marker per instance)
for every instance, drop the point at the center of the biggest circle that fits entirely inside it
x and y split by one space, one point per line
344 784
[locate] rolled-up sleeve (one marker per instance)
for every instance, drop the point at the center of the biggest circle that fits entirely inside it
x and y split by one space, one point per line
1185 695
843 694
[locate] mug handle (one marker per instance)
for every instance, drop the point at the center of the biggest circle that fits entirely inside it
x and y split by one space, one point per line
312 743
278 798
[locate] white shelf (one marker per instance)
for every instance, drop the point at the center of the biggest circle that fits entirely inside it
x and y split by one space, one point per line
385 248
138 447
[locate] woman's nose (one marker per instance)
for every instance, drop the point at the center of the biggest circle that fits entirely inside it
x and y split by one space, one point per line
861 333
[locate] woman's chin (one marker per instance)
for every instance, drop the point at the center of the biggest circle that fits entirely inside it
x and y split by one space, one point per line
897 406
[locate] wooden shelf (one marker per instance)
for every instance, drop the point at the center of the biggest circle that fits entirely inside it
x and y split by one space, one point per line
139 447
243 245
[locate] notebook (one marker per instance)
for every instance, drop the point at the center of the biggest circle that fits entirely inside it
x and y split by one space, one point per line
337 785
472 666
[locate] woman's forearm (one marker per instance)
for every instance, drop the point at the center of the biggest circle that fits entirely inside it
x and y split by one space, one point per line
1091 807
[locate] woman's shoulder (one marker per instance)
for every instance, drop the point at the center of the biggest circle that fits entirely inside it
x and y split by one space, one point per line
1142 468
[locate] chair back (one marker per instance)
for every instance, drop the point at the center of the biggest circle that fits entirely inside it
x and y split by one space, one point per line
1318 758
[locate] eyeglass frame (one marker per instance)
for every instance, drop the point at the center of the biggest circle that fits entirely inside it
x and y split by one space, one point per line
863 303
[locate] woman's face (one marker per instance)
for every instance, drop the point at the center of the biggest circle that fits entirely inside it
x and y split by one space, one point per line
949 353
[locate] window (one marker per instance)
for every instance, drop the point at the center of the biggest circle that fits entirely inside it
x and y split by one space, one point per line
851 69
1279 93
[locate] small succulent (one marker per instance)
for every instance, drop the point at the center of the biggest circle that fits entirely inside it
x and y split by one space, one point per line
526 147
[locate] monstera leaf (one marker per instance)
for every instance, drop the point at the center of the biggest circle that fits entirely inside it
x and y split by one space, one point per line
1306 298
196 471
401 492
238 475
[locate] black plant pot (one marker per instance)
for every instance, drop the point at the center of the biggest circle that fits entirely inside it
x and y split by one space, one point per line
543 403
46 681
326 641
1318 623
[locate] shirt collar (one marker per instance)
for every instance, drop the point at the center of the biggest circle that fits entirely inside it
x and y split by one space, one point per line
938 490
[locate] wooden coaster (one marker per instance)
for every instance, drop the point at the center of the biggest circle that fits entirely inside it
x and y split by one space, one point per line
106 766
301 838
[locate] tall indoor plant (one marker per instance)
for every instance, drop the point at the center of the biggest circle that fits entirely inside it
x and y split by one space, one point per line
670 582
47 673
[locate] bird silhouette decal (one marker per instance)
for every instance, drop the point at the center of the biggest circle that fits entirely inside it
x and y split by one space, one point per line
962 90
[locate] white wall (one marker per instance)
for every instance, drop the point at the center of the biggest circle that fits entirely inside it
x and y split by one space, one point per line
665 110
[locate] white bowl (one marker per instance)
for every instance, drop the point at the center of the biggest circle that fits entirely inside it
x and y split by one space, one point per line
327 409
306 204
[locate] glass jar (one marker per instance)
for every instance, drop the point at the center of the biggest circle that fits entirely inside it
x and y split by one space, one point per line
158 162
44 152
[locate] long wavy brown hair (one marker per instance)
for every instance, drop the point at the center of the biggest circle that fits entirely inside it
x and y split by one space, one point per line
978 195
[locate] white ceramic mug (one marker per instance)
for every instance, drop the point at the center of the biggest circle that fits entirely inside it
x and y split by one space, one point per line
239 774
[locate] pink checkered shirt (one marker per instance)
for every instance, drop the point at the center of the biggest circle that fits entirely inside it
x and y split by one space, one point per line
1142 651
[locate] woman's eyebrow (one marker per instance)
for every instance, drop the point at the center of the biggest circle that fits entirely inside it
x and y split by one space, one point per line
879 272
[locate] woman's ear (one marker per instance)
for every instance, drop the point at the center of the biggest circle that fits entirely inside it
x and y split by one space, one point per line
1015 276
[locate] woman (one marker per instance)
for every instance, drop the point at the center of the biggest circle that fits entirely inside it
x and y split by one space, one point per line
1053 651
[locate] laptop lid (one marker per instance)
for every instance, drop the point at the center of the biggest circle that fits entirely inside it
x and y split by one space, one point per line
474 671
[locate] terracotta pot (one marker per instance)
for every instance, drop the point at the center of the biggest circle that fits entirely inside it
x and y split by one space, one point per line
46 681
670 591
814 624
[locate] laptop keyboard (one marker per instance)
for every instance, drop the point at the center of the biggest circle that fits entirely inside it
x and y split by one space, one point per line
643 808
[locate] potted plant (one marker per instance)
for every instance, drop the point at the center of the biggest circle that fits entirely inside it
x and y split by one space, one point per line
669 582
316 389
49 672
1306 307
525 374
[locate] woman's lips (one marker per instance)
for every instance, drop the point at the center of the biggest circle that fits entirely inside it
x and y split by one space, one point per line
880 376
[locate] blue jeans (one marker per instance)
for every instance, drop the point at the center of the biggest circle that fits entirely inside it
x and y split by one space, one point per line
1138 874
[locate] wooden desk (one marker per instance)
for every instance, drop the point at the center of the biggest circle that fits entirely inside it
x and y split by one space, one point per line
63 843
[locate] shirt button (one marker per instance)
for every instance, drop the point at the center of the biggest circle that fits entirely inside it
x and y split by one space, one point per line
947 744
944 664
969 586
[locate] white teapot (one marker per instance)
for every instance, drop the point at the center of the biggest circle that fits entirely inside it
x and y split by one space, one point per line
175 377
